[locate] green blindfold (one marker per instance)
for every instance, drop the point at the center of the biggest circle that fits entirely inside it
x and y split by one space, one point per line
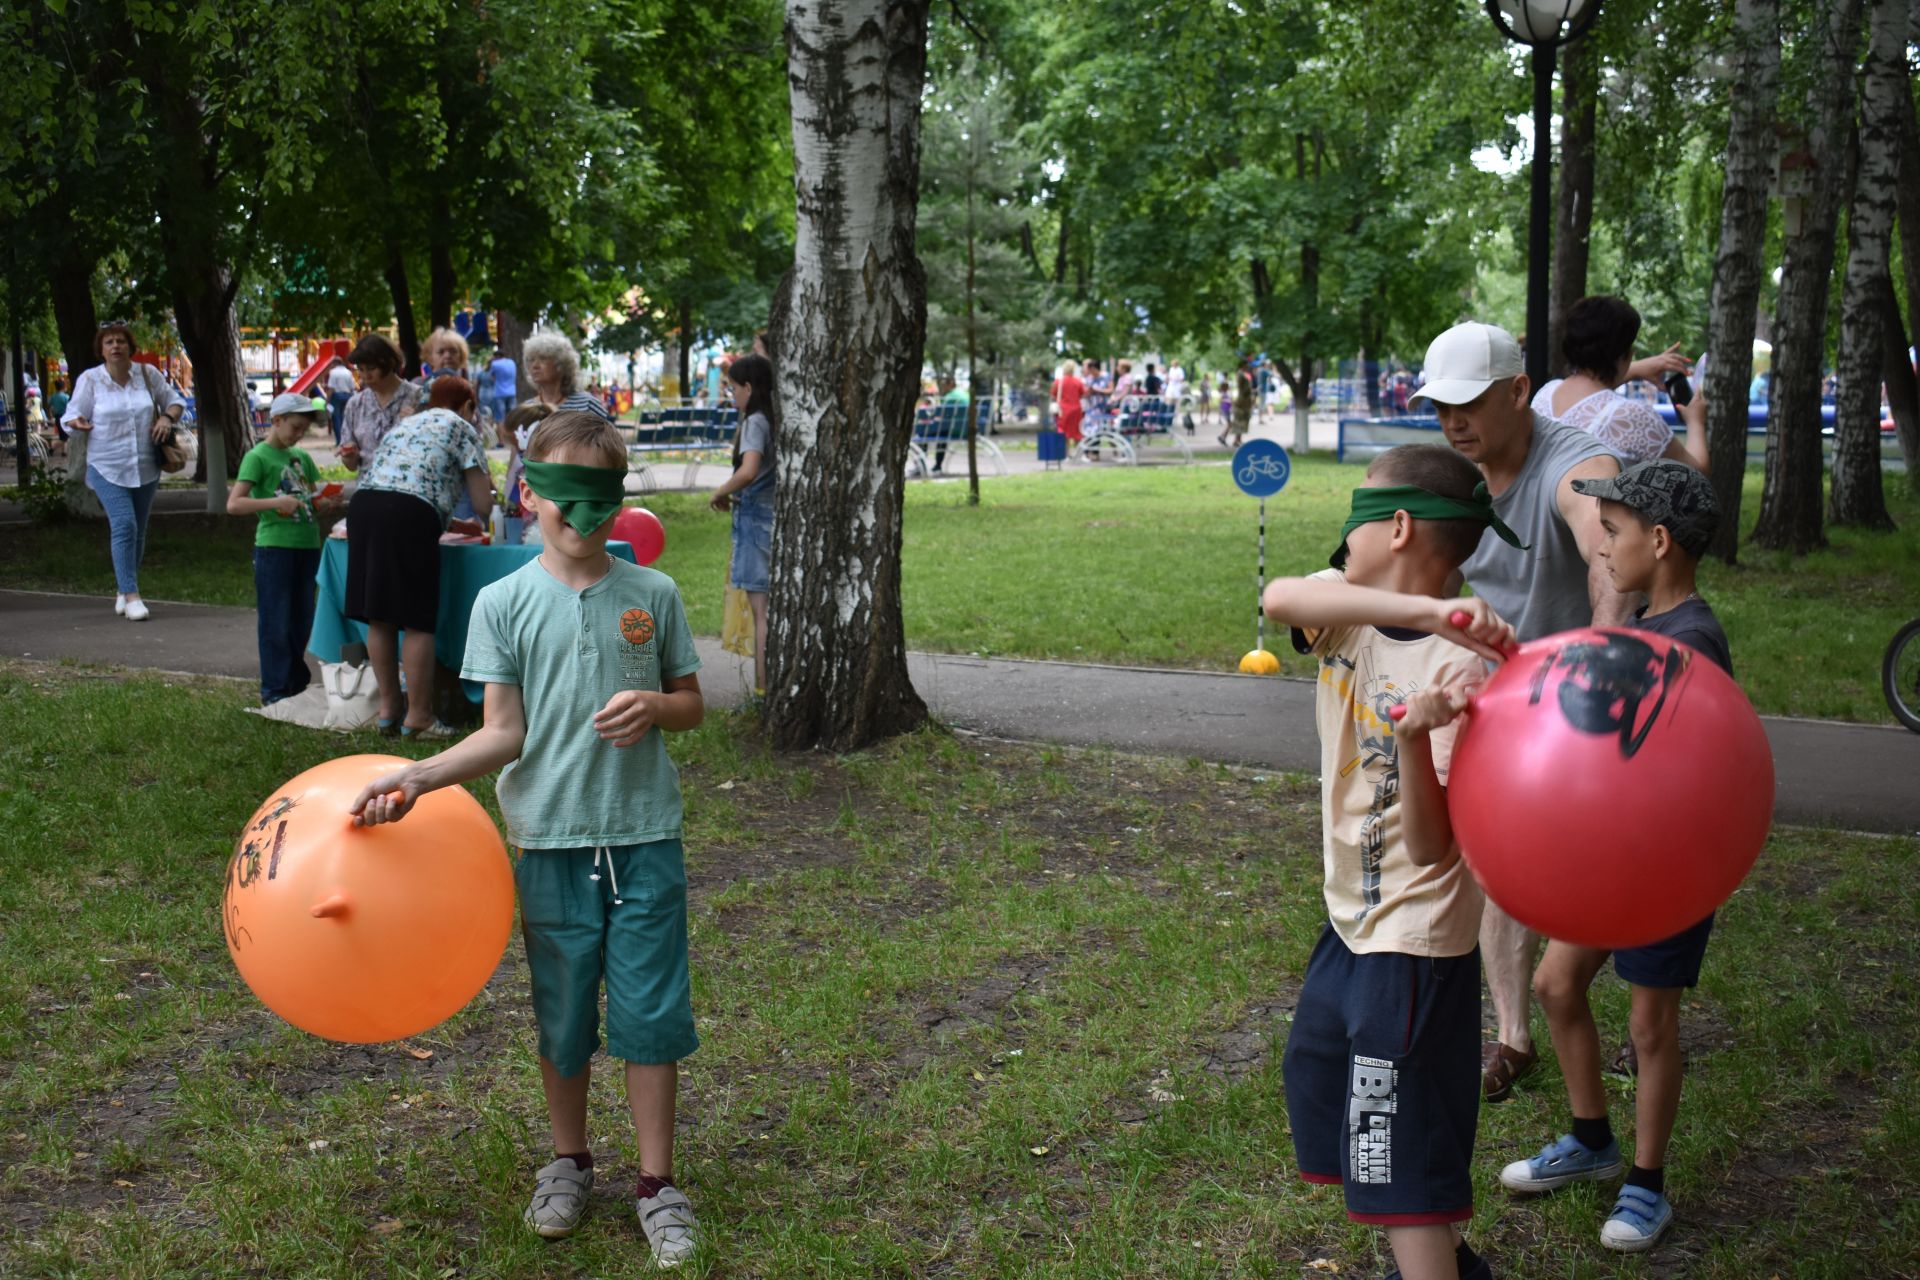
1380 504
587 497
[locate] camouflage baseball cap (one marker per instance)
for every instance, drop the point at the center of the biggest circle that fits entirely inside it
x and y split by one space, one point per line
1665 492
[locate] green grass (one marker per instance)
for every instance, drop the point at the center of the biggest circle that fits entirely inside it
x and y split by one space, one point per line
967 1010
1152 567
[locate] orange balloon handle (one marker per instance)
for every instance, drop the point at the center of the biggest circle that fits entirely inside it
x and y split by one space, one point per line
333 908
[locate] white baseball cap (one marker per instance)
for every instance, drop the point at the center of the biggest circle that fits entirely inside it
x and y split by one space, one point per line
1466 360
292 402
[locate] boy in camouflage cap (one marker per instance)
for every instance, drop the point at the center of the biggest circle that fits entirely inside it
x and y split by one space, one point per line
1658 518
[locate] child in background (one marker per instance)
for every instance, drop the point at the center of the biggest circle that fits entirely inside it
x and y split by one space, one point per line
748 492
1382 1065
586 659
1659 517
286 546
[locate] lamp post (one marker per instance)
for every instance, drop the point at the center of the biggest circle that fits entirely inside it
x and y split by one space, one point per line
1543 26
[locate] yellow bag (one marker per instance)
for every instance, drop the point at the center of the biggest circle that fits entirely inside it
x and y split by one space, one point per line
736 623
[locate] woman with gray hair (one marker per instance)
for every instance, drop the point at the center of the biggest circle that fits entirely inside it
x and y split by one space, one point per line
553 366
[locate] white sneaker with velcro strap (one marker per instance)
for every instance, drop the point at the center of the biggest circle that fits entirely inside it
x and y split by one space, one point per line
668 1220
560 1195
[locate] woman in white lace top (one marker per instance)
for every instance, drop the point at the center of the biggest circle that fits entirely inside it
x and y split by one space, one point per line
1598 347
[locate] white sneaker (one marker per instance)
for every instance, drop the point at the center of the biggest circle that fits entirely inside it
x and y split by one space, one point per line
672 1233
137 611
120 605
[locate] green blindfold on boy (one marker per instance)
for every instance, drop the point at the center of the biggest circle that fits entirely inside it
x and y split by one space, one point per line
587 497
1422 504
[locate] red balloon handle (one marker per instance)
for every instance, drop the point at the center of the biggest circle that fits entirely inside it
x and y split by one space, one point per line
1460 617
1398 711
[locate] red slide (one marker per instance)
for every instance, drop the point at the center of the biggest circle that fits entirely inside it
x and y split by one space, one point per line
331 350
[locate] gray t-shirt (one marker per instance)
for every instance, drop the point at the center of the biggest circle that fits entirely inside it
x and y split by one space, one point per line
756 434
1543 590
570 651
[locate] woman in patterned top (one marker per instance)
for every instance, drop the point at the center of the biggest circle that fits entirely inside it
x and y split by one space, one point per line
393 547
384 399
553 366
1598 347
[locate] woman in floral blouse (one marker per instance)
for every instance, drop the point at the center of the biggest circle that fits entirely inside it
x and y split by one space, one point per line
394 523
384 399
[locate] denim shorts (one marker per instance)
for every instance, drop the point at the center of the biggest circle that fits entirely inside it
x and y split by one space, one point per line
617 915
752 545
1671 962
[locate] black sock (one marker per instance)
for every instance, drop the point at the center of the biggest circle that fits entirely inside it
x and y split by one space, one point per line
1654 1180
582 1160
649 1186
1465 1259
1594 1135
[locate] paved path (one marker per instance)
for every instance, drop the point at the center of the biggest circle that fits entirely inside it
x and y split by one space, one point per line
1863 777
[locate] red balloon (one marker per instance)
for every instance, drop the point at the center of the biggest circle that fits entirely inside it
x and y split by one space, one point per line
641 528
1610 788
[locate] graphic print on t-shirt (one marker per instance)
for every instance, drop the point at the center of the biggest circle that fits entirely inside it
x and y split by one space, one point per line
639 659
294 481
1375 756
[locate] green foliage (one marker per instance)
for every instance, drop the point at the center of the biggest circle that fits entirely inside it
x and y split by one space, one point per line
43 496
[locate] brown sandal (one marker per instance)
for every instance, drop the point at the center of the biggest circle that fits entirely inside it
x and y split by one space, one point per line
1627 1062
1500 1066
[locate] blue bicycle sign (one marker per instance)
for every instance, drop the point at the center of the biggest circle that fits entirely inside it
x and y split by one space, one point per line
1261 468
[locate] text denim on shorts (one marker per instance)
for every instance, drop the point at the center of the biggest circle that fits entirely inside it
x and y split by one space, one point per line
617 914
752 562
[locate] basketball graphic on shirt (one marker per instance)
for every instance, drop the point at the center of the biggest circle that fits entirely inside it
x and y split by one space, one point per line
636 626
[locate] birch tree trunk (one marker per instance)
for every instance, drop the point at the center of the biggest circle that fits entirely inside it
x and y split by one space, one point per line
1579 100
1908 192
1790 499
1739 263
1858 498
849 325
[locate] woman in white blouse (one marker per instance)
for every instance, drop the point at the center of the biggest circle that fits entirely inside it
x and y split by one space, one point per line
1598 347
125 409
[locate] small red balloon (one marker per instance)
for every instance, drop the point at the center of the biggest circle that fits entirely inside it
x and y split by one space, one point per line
643 530
1610 788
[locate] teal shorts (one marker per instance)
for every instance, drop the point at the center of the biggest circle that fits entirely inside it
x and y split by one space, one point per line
617 914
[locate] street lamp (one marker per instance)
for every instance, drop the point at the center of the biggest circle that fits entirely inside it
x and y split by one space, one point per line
1543 26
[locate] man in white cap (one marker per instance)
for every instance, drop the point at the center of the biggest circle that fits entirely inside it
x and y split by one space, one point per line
1475 380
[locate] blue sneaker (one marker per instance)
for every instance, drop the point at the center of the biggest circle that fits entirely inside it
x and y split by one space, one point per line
1565 1159
1639 1218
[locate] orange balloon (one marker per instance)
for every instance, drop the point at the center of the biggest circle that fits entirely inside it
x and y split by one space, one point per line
364 934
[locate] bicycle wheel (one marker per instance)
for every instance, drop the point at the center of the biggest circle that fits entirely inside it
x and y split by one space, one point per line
1900 675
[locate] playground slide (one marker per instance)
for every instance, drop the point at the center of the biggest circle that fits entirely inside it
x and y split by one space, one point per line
331 350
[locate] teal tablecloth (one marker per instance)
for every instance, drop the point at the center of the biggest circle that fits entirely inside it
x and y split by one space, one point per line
464 569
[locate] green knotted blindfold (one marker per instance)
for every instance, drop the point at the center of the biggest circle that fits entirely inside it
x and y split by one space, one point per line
1422 504
587 496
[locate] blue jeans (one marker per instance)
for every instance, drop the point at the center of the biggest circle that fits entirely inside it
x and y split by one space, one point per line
337 410
283 591
127 511
501 407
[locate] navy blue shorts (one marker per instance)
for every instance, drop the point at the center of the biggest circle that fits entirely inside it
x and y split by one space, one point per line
1383 1081
1672 962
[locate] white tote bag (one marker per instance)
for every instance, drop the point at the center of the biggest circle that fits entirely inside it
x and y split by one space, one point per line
353 698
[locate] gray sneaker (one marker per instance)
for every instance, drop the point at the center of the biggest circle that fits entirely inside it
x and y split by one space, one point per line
560 1193
671 1230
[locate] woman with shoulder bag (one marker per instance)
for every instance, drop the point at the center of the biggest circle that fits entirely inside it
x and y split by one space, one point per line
127 410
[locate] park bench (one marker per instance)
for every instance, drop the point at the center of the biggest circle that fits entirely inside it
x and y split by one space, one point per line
690 432
938 428
1137 421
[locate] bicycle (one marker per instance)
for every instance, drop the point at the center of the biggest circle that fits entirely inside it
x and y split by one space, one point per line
1900 675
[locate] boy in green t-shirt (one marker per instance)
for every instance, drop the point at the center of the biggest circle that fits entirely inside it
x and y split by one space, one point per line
286 548
585 659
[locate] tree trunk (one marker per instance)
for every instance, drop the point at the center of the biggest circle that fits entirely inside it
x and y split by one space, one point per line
1858 496
1790 500
1740 262
686 348
850 326
1908 191
973 349
1903 390
510 340
71 284
441 284
1579 97
404 328
203 312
